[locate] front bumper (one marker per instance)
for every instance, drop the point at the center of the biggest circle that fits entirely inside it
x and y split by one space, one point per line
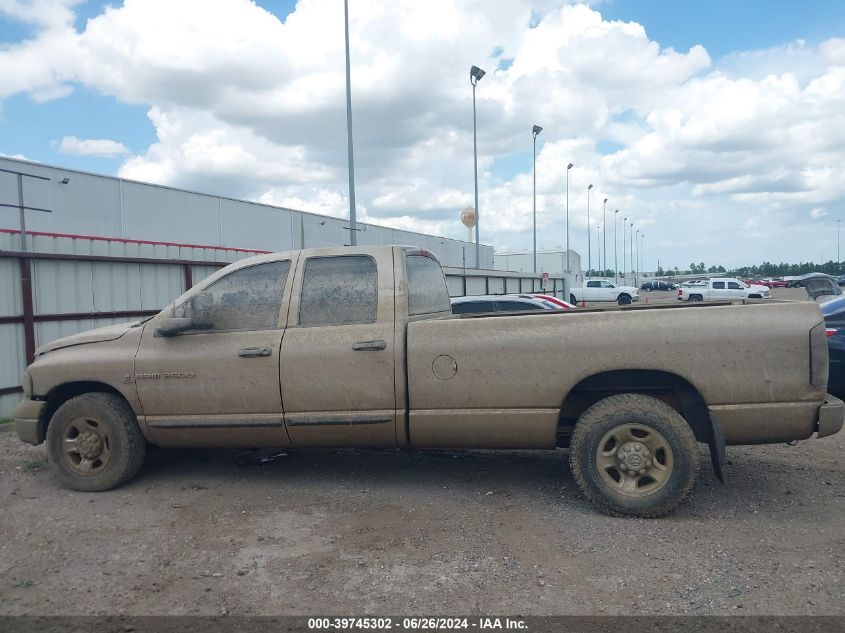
831 416
28 421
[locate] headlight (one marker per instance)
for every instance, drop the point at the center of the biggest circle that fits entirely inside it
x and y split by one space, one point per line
26 383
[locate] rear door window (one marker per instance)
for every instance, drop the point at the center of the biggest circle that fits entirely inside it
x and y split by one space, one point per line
339 291
718 285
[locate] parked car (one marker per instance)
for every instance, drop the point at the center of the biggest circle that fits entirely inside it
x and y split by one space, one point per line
357 347
832 303
658 285
499 303
841 280
560 303
723 288
603 291
818 285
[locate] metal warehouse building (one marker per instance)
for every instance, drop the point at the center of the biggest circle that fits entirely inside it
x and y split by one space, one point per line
102 250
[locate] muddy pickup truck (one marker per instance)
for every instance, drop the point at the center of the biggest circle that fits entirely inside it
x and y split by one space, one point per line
358 347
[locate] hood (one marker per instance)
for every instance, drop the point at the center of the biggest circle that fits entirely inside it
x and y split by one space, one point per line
628 289
758 288
98 335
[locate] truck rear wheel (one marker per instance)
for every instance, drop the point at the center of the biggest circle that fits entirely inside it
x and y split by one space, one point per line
573 300
94 442
633 455
695 298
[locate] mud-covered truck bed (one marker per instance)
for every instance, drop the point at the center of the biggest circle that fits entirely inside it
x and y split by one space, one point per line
357 347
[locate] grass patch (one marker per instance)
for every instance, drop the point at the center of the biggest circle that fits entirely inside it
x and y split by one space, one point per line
34 465
6 420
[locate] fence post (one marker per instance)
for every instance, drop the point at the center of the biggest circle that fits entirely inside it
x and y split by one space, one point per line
28 312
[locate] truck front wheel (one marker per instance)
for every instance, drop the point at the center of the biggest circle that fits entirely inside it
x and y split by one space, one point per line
633 455
94 442
624 300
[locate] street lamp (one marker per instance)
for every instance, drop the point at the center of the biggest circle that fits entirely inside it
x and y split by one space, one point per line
589 256
637 247
598 248
631 250
568 167
604 236
475 75
535 131
642 252
624 249
615 255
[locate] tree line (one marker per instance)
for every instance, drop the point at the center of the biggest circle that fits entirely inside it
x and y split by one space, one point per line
766 269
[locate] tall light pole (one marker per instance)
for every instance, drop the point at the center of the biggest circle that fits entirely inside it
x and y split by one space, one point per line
568 167
589 255
475 75
642 251
637 246
624 249
353 228
604 236
615 254
535 131
837 247
598 248
631 251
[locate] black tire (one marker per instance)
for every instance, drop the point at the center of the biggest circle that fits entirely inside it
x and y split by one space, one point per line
755 296
623 300
573 300
88 423
696 298
599 421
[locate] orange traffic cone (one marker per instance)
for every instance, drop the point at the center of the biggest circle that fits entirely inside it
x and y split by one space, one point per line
646 299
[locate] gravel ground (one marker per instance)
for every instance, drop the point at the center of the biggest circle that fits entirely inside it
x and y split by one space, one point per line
387 532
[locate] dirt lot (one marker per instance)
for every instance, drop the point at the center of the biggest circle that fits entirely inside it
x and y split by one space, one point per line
385 532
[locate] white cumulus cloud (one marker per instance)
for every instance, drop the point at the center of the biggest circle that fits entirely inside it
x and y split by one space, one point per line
247 104
91 147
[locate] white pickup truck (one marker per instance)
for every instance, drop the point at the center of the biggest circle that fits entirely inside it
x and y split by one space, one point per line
602 290
722 288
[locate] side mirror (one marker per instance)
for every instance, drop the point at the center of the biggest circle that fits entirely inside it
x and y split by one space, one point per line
173 326
201 310
198 311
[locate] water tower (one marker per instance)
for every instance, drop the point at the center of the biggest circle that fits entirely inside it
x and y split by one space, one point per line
469 217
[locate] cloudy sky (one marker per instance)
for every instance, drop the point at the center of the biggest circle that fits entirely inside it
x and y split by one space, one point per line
717 127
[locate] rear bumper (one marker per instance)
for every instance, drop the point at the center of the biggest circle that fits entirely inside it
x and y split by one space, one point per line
28 421
831 416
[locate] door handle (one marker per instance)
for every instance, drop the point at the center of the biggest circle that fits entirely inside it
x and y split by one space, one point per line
255 352
369 346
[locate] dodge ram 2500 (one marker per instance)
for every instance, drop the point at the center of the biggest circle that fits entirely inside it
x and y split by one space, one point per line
358 347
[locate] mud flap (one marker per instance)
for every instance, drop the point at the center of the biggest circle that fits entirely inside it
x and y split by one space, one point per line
716 442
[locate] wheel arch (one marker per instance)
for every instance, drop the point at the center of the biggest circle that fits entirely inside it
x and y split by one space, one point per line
674 390
60 394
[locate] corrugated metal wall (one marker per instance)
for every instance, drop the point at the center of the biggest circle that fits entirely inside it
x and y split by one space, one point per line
104 206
